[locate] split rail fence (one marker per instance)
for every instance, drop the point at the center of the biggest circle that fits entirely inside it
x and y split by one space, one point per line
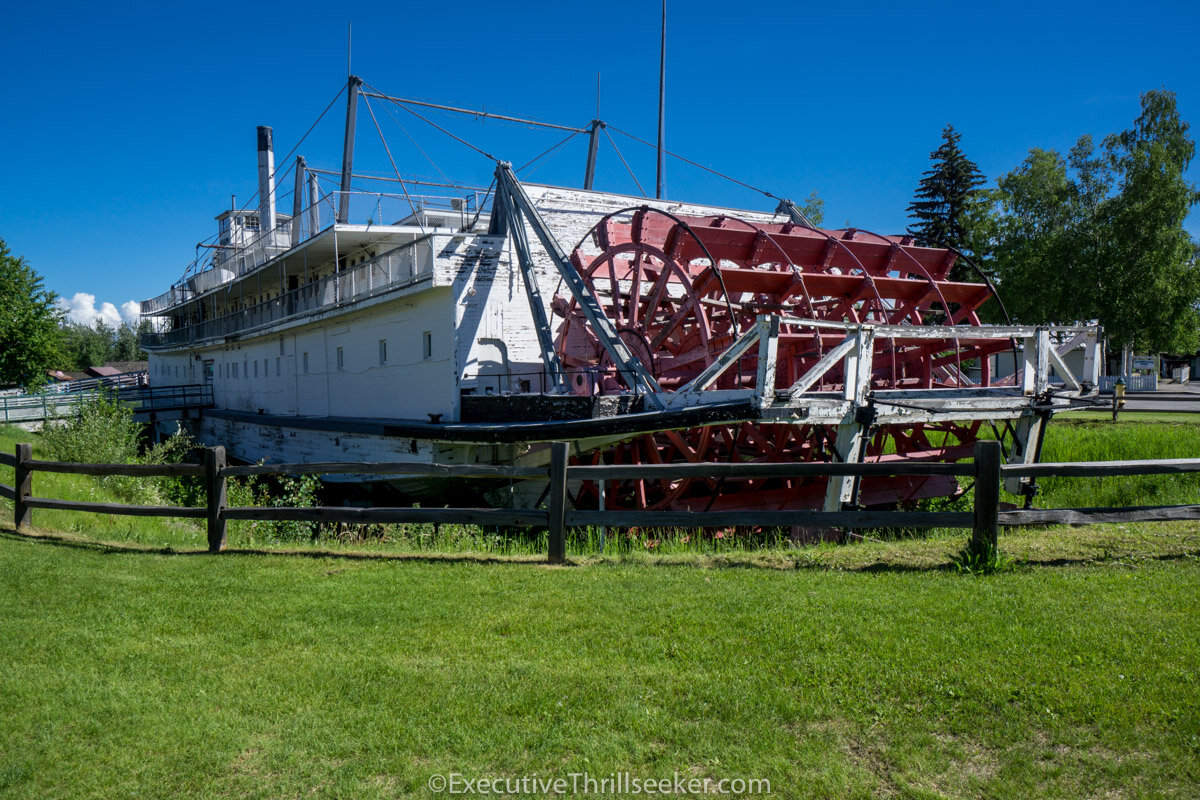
984 522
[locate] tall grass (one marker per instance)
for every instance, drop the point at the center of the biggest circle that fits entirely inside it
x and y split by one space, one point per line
1066 440
1108 441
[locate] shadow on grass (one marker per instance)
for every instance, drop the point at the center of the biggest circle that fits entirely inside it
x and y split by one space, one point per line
126 548
750 560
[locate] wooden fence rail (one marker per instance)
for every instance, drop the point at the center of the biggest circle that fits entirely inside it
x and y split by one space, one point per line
984 521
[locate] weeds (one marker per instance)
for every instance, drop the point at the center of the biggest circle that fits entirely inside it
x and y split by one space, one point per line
103 431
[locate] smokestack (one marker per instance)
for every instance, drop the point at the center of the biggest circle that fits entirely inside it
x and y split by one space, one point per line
266 179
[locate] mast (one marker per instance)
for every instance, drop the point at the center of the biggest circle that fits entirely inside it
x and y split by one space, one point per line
314 200
589 173
662 101
343 213
297 201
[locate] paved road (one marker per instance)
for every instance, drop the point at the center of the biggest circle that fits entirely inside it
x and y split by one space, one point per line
1170 398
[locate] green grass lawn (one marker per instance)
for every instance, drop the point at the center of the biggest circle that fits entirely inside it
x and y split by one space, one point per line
141 668
150 675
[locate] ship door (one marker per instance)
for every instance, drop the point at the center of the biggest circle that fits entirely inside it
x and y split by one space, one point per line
207 372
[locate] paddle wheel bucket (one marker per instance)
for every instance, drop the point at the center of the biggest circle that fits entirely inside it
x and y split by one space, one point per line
682 292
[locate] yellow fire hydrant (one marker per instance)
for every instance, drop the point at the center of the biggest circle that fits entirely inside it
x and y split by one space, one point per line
1118 397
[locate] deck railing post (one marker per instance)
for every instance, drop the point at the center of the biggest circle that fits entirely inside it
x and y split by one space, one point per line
558 502
214 484
985 534
23 487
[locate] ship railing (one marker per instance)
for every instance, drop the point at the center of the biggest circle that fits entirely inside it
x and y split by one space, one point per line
395 268
174 296
297 229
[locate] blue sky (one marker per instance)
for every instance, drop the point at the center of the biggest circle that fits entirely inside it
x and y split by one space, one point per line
128 125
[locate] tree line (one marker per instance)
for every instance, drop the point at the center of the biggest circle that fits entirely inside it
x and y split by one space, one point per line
35 337
1096 233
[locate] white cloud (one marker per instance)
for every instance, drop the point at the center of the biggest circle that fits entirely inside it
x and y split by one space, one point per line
81 309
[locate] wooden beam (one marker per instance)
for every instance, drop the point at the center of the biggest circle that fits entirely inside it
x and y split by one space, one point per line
455 516
822 366
387 468
22 487
755 470
558 502
7 461
132 470
215 488
985 532
772 519
1090 469
116 508
8 492
1089 516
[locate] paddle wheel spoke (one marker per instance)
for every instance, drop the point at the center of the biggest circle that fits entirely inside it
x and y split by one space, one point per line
680 290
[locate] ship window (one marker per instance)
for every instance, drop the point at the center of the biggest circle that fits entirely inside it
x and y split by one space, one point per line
252 223
341 361
427 345
281 344
382 352
266 367
306 363
235 372
277 361
256 367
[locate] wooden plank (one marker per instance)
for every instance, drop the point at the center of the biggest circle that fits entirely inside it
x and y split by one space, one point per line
985 531
215 498
132 470
453 516
756 470
1088 516
22 487
8 492
116 508
387 468
1089 469
7 460
559 452
772 519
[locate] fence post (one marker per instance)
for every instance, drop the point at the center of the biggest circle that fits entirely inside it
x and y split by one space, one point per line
558 502
985 535
214 485
23 488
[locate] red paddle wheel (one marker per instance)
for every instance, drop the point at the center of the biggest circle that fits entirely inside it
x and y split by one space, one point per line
680 290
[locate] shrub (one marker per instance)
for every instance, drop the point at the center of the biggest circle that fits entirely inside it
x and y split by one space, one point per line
103 431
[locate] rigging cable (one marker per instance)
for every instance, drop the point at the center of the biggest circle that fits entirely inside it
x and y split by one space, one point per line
547 152
481 203
627 169
297 147
388 150
386 179
698 165
400 101
458 139
420 149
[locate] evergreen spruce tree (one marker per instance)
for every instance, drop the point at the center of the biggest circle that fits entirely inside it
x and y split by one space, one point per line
944 200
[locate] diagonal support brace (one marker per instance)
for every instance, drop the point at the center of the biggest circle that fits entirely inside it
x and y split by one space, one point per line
510 222
631 369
